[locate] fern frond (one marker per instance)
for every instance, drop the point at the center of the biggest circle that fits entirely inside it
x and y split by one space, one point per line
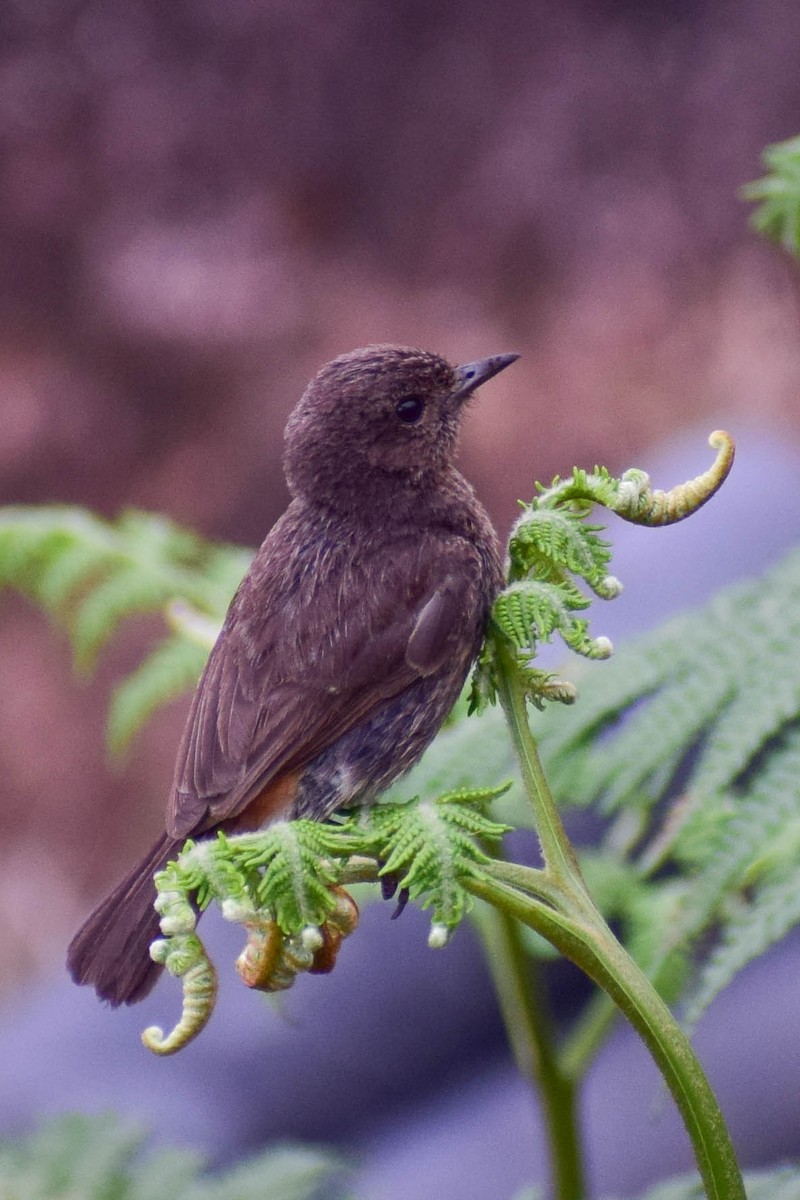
545 541
284 869
778 195
104 1158
127 591
552 546
282 886
530 611
723 679
90 574
626 682
726 838
67 572
712 701
642 758
642 908
433 844
750 928
288 873
763 625
170 670
278 886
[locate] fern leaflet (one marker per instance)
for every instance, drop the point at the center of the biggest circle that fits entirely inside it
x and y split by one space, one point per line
710 702
90 574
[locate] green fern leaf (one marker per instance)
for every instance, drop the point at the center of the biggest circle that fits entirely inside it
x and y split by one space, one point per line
749 930
724 848
528 613
778 194
644 754
433 845
66 575
288 874
124 593
708 706
767 674
694 681
72 1155
546 541
634 674
532 610
101 1158
282 870
170 670
90 574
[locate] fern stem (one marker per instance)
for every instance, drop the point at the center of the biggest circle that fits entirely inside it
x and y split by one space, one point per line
602 958
591 1029
572 923
531 1036
559 857
588 1035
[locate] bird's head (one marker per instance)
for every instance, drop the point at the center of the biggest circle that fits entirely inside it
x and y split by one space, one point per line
383 417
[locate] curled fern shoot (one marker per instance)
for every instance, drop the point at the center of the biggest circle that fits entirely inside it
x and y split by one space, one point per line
632 497
191 964
283 886
641 505
553 545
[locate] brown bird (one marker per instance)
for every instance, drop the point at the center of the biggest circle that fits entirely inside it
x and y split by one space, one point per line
348 640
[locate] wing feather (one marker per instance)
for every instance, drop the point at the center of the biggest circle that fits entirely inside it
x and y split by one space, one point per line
337 647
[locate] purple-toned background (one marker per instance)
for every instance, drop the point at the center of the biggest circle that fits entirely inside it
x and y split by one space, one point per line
202 201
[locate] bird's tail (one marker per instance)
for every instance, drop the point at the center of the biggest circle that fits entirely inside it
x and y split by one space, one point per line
111 950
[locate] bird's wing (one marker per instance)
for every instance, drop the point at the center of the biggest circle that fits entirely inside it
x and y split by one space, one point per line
294 669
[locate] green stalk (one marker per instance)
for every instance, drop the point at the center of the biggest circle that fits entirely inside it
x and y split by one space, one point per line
559 857
531 1035
587 1035
598 954
556 903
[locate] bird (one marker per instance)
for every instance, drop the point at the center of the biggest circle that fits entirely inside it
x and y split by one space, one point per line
348 640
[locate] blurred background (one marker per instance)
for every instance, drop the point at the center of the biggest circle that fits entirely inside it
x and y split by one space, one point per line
203 201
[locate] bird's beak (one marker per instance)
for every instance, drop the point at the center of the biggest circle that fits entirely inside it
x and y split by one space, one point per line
471 375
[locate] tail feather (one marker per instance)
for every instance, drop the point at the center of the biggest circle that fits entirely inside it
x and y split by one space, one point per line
111 950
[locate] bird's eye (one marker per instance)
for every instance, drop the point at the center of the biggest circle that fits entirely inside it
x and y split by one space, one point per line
410 409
